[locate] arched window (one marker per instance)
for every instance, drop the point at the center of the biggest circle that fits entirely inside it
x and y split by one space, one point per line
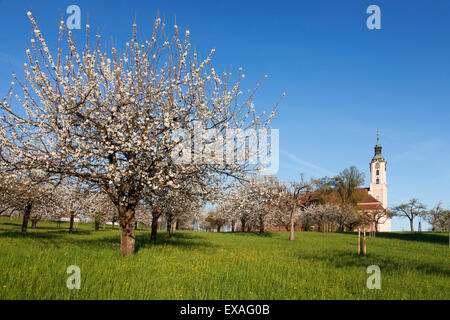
378 181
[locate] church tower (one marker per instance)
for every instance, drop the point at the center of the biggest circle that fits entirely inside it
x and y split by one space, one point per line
378 183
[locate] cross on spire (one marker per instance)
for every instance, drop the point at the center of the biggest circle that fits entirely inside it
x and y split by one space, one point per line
378 156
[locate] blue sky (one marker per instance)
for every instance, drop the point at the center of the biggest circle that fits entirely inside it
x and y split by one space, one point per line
342 80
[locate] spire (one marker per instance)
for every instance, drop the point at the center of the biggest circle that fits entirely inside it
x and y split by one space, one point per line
378 156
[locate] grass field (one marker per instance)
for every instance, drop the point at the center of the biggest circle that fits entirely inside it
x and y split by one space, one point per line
200 265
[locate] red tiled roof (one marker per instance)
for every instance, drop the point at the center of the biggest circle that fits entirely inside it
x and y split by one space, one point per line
368 202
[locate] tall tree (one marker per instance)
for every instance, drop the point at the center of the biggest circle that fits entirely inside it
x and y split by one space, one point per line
377 216
97 206
237 205
70 200
438 217
346 184
298 198
29 195
342 190
263 196
109 119
216 219
343 186
346 217
410 210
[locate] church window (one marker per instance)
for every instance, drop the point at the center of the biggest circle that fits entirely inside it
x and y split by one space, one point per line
378 181
378 172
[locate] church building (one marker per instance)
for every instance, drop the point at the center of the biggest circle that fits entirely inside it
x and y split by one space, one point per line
377 198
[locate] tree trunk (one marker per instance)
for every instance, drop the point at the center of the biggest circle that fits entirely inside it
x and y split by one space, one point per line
34 223
112 225
261 225
97 221
26 217
365 251
291 222
127 224
154 228
72 216
156 213
243 222
411 224
232 226
169 227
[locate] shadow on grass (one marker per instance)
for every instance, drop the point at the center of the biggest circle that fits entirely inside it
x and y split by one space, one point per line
177 239
40 233
249 234
59 237
345 260
186 241
32 235
55 238
431 237
11 224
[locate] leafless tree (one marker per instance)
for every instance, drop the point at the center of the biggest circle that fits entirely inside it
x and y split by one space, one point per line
299 194
410 210
376 217
438 217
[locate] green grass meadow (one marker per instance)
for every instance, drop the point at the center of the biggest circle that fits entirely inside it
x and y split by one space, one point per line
201 265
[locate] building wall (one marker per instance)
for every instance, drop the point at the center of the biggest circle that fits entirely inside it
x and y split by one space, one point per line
379 190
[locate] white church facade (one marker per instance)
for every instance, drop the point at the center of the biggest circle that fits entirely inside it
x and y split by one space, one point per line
378 188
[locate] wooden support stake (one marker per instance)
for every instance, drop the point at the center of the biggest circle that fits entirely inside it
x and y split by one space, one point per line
365 251
359 241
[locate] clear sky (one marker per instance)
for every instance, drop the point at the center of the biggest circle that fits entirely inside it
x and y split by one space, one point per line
342 80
